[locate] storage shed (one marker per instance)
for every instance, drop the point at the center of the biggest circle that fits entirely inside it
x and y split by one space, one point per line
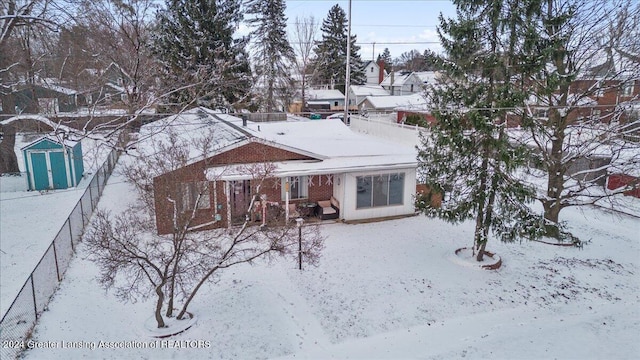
52 164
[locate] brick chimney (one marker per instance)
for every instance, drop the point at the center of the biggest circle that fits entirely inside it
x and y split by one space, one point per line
381 72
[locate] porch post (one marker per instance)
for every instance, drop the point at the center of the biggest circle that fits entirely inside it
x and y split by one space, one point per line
286 201
227 194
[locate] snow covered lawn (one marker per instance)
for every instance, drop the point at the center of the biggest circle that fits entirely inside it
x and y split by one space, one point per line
30 220
391 289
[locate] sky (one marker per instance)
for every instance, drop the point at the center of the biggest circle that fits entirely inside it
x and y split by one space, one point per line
399 25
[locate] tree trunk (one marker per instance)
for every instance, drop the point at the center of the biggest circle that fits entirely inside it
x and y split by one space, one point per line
555 181
158 312
8 158
481 250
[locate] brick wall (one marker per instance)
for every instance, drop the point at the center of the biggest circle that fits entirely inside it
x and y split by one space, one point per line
166 185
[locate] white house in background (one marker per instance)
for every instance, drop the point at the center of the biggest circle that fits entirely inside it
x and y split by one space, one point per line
357 93
319 99
403 83
427 77
374 73
392 103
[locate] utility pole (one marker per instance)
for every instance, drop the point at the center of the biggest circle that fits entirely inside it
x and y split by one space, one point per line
347 81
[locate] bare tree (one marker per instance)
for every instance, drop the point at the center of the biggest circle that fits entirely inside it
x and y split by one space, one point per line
172 268
120 32
303 41
577 111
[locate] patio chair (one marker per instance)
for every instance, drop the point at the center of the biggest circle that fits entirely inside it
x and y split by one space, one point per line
328 209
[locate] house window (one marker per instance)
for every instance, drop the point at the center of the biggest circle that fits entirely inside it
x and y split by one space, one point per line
193 195
372 69
298 187
628 89
595 113
379 190
541 113
335 103
411 87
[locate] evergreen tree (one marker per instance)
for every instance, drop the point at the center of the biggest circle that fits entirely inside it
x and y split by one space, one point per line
202 62
331 53
386 59
273 56
467 155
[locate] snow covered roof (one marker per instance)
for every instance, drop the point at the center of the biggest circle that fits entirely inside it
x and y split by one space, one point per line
42 119
53 138
368 90
58 88
414 101
331 142
332 94
427 77
400 79
193 127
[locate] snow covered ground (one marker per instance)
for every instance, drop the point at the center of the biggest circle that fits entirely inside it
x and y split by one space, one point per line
31 219
390 289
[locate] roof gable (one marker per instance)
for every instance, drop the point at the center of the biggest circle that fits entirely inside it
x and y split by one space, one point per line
48 142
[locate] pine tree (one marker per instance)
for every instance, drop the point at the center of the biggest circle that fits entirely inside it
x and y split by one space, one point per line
386 58
202 62
467 155
331 52
273 55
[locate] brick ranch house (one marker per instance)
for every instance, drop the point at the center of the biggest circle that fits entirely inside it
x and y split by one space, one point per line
308 162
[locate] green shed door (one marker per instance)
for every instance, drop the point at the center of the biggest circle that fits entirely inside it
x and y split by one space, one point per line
58 170
40 170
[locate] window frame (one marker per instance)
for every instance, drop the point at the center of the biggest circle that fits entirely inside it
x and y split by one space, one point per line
303 187
188 194
382 196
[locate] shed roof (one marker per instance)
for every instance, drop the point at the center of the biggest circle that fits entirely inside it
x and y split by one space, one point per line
53 139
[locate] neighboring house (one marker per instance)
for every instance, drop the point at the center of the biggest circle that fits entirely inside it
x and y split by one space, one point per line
358 93
104 87
331 99
310 162
374 72
45 98
427 77
402 83
53 164
393 103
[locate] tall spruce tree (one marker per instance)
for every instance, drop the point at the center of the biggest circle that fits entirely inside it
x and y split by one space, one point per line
385 57
202 62
467 155
331 53
273 55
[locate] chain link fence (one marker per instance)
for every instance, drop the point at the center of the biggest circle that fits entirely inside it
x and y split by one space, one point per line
20 319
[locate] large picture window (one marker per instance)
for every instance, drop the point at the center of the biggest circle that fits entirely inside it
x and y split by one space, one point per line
194 195
379 190
298 187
